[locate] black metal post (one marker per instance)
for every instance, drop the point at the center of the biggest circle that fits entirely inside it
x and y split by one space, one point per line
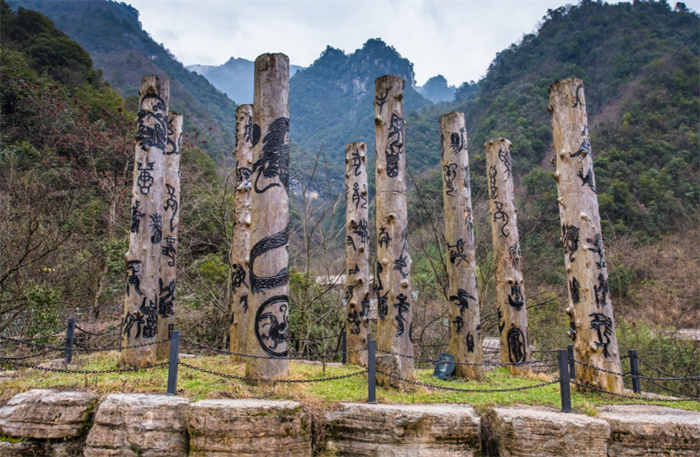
345 347
572 364
564 386
372 372
70 337
634 368
174 360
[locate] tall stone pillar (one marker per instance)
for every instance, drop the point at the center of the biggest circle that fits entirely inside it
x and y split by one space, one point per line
240 247
465 325
510 290
393 261
268 300
590 306
140 319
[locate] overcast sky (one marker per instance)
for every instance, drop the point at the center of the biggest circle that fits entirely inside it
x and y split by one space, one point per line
455 38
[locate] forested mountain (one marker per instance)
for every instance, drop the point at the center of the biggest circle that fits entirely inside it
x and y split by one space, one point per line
437 90
234 78
112 34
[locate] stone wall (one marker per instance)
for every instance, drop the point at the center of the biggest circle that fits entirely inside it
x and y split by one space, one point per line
51 423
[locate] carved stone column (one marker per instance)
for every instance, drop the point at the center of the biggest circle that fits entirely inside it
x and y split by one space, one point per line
356 252
590 305
510 290
140 319
246 137
268 300
465 325
394 263
169 245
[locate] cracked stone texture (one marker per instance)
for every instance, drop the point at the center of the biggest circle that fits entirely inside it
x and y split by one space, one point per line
47 414
243 428
403 430
544 432
139 425
651 431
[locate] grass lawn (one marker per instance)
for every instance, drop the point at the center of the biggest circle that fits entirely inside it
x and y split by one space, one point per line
197 385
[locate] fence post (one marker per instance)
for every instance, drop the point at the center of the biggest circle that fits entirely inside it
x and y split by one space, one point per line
564 386
636 384
344 347
70 336
572 364
372 371
174 360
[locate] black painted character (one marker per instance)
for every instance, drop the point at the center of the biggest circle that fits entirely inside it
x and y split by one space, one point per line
365 307
402 308
462 300
601 290
383 305
360 229
274 160
243 302
500 215
575 289
260 283
603 326
238 275
501 322
493 187
145 179
569 236
457 254
354 321
572 330
515 298
404 239
450 174
156 228
355 160
457 141
133 276
272 326
354 270
597 248
349 292
129 322
169 250
243 178
578 100
400 265
516 346
470 342
396 143
171 204
251 133
458 323
384 237
172 147
504 157
380 269
156 135
136 216
380 100
350 242
150 311
588 179
514 252
166 299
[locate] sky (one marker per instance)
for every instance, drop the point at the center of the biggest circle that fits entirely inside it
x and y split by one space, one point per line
455 38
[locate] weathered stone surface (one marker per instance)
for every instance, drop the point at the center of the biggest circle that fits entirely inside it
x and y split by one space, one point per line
20 449
242 428
543 432
403 430
131 425
647 430
46 414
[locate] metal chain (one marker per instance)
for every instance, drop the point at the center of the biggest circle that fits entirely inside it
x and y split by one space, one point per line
77 327
29 356
633 397
656 369
61 370
422 359
31 343
456 389
253 356
289 381
673 391
687 378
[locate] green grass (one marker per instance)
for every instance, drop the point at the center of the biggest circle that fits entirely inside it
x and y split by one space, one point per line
197 385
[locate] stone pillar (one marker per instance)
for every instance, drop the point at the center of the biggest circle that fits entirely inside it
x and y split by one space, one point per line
590 306
356 252
139 324
246 139
169 245
510 292
394 263
465 324
268 301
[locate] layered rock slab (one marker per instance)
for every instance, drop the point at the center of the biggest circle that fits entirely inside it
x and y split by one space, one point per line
243 428
543 432
47 414
139 425
651 431
403 430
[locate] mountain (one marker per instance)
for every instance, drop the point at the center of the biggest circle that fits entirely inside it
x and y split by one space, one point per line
436 90
234 78
112 34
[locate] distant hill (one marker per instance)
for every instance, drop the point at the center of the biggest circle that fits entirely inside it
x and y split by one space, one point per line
436 90
234 78
112 34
